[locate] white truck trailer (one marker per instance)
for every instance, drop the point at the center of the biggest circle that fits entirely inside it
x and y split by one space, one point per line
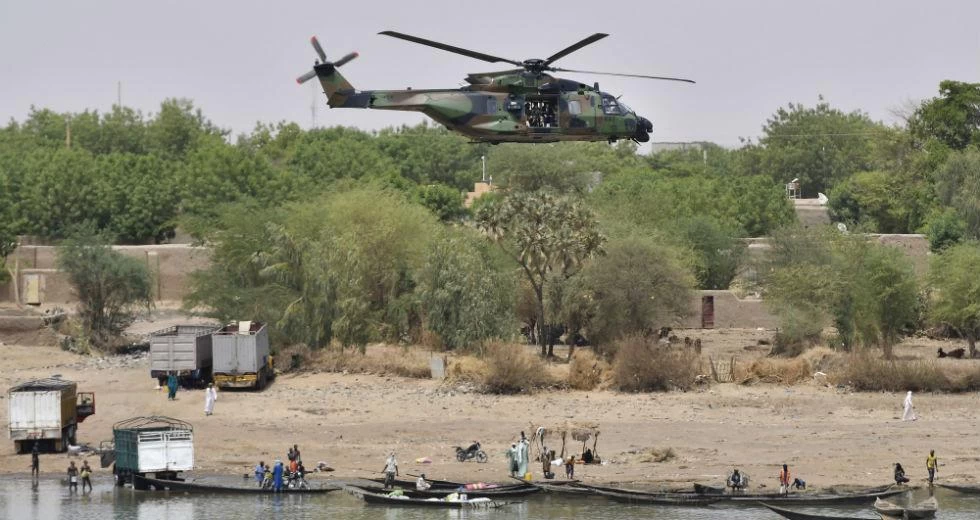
185 351
47 412
241 355
156 447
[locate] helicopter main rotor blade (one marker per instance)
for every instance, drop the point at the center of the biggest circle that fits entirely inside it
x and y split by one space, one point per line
318 49
641 76
306 77
572 48
449 48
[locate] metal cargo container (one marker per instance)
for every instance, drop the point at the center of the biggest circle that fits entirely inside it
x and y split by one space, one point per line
183 349
47 411
155 445
241 355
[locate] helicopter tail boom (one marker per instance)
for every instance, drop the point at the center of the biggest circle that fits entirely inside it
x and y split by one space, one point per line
339 91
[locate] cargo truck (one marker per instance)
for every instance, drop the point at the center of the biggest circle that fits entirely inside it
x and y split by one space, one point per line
156 447
241 356
184 350
47 412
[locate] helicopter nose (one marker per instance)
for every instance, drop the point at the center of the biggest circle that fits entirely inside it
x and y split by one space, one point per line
643 129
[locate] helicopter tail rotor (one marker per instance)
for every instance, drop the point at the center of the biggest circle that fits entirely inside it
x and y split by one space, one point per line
323 59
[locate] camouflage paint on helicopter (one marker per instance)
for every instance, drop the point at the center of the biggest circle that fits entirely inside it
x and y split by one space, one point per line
523 105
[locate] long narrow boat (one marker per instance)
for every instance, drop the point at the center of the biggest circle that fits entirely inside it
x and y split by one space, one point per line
925 509
962 488
889 509
436 484
796 515
498 492
794 498
203 487
475 503
658 500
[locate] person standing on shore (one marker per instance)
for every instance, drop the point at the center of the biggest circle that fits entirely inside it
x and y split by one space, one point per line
210 396
390 471
86 474
932 465
570 467
172 386
277 470
35 462
72 478
784 480
909 413
260 473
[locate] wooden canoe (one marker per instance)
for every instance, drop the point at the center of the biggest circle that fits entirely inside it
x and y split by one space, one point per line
925 509
889 509
497 492
792 498
385 500
962 488
796 515
661 500
203 487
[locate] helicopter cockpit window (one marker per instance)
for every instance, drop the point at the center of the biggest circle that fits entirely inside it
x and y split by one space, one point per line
574 108
491 106
624 109
609 106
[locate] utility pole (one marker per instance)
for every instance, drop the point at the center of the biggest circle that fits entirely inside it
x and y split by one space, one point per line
484 159
313 103
119 94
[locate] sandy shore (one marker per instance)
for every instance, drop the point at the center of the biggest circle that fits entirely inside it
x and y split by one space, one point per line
352 421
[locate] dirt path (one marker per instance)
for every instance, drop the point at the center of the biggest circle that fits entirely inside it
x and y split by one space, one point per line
351 421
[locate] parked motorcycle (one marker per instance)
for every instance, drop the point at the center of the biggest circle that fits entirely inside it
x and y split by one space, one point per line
472 452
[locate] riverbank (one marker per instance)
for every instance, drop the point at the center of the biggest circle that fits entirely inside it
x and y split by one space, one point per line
828 437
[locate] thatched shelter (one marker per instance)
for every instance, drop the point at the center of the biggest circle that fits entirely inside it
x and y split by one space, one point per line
567 432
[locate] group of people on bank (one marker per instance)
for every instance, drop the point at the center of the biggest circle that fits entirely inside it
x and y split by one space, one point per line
280 474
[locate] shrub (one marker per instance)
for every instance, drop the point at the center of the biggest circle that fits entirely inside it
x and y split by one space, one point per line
110 287
512 369
586 370
642 365
380 360
865 372
785 371
293 357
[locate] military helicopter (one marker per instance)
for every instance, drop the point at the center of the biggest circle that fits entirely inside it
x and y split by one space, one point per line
524 105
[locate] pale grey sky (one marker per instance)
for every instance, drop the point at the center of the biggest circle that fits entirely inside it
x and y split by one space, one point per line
238 59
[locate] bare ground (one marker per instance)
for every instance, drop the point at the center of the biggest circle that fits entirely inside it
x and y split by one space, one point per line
827 436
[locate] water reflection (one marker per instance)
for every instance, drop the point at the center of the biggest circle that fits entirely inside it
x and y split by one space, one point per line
48 499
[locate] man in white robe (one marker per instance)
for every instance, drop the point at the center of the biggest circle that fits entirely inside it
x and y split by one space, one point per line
210 396
909 414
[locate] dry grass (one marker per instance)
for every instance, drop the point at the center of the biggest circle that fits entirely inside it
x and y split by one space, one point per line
867 372
511 368
774 370
466 369
586 370
378 360
293 358
641 365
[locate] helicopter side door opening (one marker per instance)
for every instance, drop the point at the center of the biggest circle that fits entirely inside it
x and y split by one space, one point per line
541 111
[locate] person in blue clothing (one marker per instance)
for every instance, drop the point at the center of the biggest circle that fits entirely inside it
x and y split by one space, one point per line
260 473
172 385
277 476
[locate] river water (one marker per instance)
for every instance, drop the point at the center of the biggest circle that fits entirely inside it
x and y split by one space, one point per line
48 499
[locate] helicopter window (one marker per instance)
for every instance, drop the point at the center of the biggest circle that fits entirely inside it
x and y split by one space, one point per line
624 109
609 106
574 108
541 112
491 106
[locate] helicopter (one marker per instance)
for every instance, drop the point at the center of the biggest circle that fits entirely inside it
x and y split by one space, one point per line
523 105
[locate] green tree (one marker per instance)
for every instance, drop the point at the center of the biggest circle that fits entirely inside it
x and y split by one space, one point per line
444 201
952 118
956 291
868 290
638 286
958 186
718 255
945 228
548 236
466 298
818 145
110 287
